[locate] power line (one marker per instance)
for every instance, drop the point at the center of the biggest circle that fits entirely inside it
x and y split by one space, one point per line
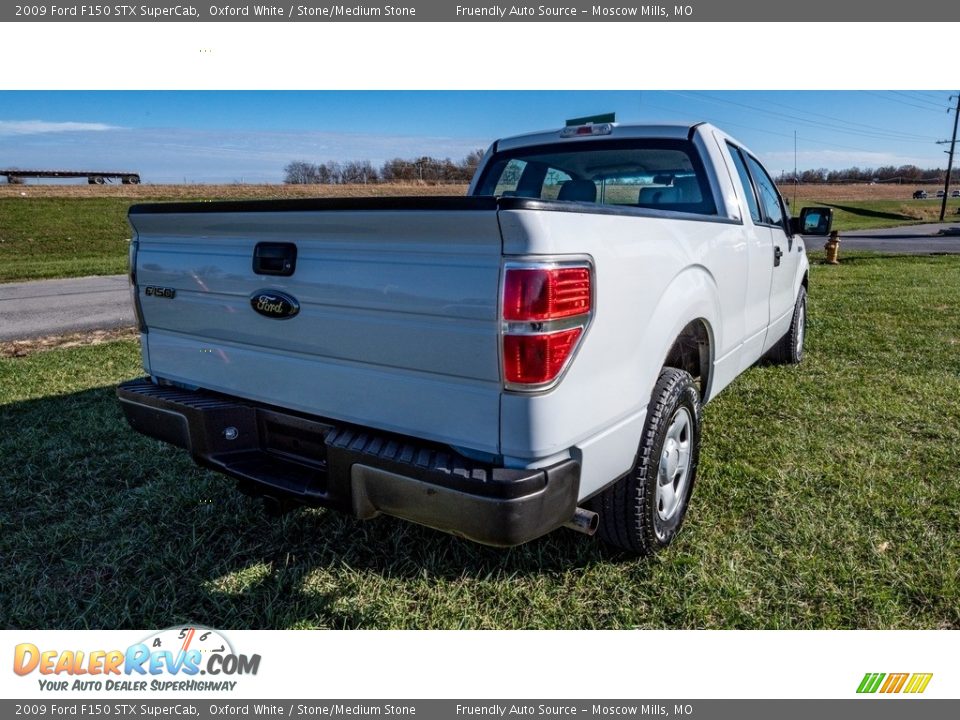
925 95
898 100
938 94
938 105
849 122
729 123
885 135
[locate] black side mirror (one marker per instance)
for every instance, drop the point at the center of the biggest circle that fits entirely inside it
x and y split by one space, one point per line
812 221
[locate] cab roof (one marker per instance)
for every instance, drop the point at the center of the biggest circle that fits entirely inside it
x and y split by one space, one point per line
668 131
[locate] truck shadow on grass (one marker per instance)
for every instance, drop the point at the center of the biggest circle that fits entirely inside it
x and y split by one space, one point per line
872 213
104 528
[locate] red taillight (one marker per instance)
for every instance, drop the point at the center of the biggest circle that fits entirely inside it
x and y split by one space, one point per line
536 294
537 359
545 311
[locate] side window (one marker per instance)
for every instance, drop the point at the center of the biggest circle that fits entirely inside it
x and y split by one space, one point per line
769 197
745 183
510 177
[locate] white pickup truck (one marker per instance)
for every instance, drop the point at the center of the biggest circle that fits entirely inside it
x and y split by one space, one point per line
496 366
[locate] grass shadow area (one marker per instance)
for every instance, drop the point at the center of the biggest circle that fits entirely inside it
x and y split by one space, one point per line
102 527
828 497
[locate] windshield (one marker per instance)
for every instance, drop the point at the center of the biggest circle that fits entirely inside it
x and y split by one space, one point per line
661 174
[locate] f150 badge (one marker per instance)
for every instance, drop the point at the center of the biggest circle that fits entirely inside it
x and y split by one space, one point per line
274 304
164 292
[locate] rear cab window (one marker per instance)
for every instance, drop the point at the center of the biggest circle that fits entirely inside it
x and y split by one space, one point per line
657 174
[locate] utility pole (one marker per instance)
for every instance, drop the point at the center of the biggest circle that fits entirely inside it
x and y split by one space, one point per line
796 180
953 144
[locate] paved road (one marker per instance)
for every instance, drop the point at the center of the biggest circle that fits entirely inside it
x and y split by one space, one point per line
56 307
911 240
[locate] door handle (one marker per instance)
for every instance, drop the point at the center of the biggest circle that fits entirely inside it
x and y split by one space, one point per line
275 258
777 254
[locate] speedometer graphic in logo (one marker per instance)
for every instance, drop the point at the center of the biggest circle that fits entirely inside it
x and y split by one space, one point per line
182 639
189 650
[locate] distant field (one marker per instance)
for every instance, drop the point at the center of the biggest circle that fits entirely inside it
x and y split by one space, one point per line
868 214
860 207
184 192
146 193
51 231
863 191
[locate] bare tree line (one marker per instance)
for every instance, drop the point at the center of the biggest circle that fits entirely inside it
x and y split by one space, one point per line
437 171
886 174
425 169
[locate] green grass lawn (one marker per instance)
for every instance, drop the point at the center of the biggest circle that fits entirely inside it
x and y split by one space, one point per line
870 214
72 237
62 237
828 497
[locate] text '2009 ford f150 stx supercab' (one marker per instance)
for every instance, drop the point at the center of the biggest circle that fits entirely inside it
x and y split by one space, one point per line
533 355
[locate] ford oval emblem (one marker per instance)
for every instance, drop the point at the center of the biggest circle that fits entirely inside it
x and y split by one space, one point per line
274 304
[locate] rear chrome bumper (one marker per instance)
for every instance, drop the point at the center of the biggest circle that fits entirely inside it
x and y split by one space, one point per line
291 458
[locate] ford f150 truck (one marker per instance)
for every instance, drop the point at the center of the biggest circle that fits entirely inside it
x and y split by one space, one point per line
496 366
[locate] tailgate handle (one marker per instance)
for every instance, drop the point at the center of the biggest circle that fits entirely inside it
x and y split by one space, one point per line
274 258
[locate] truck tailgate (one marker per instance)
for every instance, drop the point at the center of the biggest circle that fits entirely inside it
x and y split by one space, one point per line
397 327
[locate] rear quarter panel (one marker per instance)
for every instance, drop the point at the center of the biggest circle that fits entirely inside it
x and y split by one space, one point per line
653 275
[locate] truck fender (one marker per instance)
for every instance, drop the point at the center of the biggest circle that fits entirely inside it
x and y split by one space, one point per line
691 295
803 273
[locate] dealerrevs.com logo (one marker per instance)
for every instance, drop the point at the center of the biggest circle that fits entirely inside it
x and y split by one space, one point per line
171 659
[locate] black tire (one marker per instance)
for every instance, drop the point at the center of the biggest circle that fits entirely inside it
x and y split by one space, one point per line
789 349
632 517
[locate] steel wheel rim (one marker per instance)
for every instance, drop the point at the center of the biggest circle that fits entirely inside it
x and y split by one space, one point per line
801 328
673 472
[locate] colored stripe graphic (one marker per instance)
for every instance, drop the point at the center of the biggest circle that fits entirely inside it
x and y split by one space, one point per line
870 682
894 682
918 682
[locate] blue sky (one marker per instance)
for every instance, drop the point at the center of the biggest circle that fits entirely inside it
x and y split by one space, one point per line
220 136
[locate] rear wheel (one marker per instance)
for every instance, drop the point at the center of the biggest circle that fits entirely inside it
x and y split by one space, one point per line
789 349
643 511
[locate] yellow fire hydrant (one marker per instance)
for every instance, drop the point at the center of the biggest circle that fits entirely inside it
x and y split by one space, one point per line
833 248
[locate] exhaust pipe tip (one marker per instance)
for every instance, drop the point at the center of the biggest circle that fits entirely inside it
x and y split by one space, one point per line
583 521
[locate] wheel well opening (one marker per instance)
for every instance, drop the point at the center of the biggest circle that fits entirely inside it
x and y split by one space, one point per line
691 352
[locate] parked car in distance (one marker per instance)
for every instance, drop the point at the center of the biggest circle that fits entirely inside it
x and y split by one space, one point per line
919 194
939 193
955 193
